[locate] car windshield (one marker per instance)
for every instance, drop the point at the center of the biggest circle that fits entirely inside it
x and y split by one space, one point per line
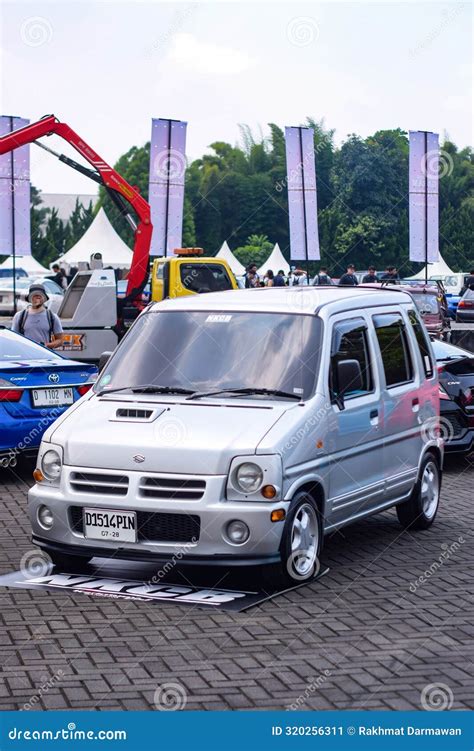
16 347
216 350
426 303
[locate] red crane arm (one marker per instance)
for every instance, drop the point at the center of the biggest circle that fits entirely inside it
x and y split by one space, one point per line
109 178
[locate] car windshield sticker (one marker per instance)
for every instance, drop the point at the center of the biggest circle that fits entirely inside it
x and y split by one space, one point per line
218 318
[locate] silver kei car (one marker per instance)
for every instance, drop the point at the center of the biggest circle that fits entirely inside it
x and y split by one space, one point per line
237 428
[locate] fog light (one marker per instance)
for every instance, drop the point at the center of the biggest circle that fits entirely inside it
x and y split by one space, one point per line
269 491
38 475
237 532
45 517
278 515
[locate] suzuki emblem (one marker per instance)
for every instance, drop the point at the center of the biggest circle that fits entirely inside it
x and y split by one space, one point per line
139 458
53 377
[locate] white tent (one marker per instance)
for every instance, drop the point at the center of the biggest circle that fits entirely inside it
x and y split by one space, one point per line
275 262
226 254
439 268
27 263
99 238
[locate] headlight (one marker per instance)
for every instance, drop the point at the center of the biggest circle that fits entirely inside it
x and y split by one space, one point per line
248 477
51 464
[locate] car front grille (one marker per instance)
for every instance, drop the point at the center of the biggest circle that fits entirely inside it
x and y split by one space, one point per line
98 483
173 489
152 527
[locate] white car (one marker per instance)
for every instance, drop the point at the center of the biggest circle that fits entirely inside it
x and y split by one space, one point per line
54 291
264 421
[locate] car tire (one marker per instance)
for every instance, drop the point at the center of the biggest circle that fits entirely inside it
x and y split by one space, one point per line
420 510
67 562
301 541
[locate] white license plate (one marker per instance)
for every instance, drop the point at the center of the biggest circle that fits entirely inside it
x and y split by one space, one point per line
110 524
52 397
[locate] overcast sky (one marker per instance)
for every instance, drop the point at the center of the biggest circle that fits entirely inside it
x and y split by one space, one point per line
108 67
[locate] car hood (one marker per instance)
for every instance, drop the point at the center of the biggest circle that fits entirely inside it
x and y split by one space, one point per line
194 437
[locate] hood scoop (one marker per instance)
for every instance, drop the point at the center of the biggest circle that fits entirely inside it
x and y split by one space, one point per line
135 414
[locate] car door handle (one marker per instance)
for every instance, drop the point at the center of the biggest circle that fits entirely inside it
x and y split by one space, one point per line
374 414
415 401
415 405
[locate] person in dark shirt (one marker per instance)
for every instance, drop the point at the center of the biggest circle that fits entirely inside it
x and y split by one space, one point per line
349 279
390 275
322 277
371 277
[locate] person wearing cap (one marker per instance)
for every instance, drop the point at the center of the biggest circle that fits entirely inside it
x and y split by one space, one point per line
38 323
300 278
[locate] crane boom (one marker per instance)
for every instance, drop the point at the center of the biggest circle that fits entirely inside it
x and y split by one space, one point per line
115 184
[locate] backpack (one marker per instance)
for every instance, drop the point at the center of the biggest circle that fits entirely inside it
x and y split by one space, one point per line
23 317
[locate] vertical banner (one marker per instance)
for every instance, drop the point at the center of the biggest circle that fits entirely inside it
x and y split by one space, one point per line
15 222
166 187
302 201
423 196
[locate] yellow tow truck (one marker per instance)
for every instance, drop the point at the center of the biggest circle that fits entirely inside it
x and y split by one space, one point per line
189 272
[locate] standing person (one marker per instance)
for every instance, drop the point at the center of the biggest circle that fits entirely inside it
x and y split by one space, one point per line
300 278
468 283
322 277
349 279
59 276
390 275
252 279
279 280
269 278
371 277
37 322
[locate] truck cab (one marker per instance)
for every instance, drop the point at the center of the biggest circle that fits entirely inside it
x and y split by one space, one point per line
189 272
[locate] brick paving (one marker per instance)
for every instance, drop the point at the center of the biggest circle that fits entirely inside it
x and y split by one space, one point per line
356 639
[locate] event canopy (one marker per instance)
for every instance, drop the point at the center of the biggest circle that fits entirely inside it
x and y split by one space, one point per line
226 254
99 238
27 263
440 268
275 262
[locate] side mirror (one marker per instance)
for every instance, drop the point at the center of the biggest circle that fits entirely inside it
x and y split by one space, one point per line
103 360
349 378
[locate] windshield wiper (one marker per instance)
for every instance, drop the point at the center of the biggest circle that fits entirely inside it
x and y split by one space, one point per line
239 392
147 389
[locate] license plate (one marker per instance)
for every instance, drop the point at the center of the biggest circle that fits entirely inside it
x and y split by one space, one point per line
52 397
108 524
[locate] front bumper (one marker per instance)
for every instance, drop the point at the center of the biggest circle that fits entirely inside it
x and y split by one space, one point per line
212 509
459 436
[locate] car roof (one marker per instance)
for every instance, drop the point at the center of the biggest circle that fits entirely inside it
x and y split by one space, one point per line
288 299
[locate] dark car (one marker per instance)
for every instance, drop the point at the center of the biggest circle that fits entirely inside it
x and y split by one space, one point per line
456 390
465 309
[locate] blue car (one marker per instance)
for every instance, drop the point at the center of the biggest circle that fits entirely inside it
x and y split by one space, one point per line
36 387
453 302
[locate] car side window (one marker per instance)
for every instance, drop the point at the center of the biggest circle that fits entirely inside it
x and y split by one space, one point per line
394 348
422 343
350 371
204 277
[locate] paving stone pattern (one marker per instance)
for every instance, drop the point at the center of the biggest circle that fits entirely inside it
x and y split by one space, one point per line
359 638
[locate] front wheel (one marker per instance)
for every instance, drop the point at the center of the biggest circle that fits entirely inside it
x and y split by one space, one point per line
301 541
420 510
